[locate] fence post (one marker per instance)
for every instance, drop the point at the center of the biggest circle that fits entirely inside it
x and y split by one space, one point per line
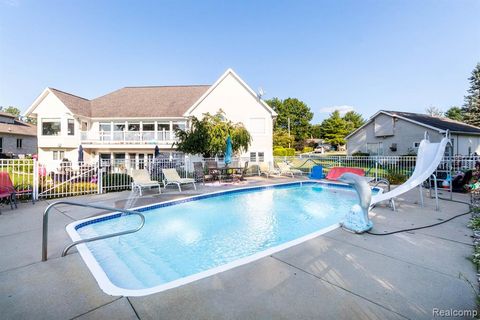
376 169
99 177
36 179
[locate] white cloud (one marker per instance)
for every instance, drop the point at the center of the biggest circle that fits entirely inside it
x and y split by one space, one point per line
341 109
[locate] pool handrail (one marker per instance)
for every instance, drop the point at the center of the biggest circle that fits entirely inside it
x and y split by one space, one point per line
72 203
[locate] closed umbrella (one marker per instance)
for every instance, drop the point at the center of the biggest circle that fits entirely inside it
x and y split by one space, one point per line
157 151
80 154
228 151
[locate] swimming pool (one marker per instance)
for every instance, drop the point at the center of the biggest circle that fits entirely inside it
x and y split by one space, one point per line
189 239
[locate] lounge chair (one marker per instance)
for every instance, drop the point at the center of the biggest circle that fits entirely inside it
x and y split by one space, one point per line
264 168
285 169
171 177
141 179
336 172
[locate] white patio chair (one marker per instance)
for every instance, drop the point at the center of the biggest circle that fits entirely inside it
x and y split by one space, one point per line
171 177
285 169
265 169
141 179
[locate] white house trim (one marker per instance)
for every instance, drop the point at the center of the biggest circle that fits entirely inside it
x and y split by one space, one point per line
37 101
222 77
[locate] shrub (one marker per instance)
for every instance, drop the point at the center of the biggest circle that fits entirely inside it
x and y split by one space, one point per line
290 152
117 181
474 224
307 149
279 151
396 177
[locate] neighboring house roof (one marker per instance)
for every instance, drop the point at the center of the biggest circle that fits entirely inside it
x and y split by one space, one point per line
162 101
7 115
76 104
19 128
436 123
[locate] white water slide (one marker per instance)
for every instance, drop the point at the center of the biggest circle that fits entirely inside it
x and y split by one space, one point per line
428 158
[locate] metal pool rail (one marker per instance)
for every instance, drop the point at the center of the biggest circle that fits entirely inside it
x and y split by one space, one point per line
111 209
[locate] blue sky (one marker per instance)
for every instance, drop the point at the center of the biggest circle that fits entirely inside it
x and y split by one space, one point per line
400 55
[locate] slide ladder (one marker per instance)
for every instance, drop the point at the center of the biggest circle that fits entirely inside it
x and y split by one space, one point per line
429 157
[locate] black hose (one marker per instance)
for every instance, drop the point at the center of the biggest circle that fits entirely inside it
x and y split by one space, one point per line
430 225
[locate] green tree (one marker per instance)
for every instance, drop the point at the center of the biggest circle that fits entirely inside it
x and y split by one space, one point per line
12 110
471 108
334 129
316 131
208 136
354 120
454 113
282 139
299 114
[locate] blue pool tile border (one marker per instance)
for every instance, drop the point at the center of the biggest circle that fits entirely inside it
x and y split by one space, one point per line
211 195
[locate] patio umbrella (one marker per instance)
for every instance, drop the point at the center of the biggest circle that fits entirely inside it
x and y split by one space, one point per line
228 151
80 154
157 151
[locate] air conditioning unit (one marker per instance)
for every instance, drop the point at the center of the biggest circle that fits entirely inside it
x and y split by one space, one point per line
393 147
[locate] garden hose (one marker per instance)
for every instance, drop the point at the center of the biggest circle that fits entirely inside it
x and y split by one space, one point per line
430 225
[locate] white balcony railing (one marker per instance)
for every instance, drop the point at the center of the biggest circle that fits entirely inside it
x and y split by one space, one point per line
127 137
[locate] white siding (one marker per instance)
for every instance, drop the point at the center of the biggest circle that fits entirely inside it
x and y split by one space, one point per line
240 105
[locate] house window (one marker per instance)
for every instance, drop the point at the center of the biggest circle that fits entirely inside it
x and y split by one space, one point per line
375 149
51 127
70 127
19 143
179 125
1 145
105 127
58 154
134 127
148 127
84 126
261 157
253 157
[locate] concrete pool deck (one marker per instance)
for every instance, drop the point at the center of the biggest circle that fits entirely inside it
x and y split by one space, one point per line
338 275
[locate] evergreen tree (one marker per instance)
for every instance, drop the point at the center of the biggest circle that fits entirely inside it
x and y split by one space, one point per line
454 113
354 120
334 129
471 108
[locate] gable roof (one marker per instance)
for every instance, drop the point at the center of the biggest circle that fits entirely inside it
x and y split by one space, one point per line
76 104
436 123
18 127
229 71
161 101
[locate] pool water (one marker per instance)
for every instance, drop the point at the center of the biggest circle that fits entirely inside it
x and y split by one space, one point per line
189 238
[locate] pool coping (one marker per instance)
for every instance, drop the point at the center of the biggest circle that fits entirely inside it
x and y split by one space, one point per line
111 289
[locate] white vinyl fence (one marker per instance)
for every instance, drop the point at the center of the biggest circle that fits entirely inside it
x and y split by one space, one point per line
70 179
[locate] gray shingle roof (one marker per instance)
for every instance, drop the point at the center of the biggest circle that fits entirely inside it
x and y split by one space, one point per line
155 101
436 122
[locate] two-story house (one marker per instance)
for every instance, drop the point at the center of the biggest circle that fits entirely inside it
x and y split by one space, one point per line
128 123
17 138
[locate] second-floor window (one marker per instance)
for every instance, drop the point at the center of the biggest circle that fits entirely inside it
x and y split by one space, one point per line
19 143
51 127
70 127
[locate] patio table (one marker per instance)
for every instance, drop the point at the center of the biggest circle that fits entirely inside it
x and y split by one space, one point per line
224 173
